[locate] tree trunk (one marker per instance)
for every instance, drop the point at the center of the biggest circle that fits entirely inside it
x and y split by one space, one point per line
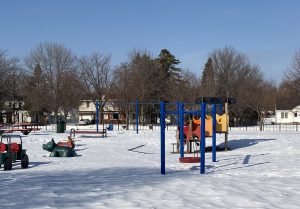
127 119
261 122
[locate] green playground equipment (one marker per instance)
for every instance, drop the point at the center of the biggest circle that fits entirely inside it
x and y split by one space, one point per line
12 151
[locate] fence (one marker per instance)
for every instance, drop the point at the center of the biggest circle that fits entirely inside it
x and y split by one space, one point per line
277 127
171 127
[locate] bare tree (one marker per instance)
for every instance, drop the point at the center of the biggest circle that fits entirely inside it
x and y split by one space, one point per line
10 83
259 95
187 88
291 81
73 90
287 96
227 64
8 67
124 89
55 60
236 77
95 71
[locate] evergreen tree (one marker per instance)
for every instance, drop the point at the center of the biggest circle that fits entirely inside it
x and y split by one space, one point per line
169 74
208 79
168 64
36 94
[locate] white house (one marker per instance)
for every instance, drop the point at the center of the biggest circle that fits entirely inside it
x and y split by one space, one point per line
14 112
288 116
87 110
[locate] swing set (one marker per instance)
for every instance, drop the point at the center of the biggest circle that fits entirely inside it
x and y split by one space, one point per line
201 132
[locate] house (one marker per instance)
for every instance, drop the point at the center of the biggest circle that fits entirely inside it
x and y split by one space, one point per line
14 112
288 116
87 110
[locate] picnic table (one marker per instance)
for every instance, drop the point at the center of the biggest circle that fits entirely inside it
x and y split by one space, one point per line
25 128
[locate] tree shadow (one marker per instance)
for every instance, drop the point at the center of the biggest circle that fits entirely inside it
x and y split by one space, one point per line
242 143
79 145
140 146
77 150
17 165
35 164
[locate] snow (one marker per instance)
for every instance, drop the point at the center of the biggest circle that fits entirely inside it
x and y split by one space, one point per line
123 171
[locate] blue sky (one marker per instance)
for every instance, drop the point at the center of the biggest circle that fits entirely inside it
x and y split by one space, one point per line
267 31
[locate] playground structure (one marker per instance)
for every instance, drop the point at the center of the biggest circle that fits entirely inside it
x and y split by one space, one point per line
61 149
69 143
192 132
214 123
200 131
11 152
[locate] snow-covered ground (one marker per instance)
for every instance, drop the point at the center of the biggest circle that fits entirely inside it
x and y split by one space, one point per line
123 171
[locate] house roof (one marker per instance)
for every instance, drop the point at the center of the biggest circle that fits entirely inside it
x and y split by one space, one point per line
296 109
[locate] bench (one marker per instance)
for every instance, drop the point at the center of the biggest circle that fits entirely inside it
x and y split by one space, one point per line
74 132
189 145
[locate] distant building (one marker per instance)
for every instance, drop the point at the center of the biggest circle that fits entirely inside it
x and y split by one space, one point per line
288 116
87 110
14 112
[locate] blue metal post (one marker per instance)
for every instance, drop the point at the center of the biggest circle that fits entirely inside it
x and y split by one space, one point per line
162 138
220 109
202 149
97 115
137 115
214 132
181 131
178 114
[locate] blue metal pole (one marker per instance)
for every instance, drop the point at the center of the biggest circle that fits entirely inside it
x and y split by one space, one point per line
97 116
162 139
178 114
202 149
220 109
137 115
181 131
214 133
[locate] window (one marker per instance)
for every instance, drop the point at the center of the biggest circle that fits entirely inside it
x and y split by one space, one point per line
286 115
87 104
295 115
115 116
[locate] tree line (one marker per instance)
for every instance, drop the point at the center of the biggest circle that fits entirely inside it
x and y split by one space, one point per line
52 79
